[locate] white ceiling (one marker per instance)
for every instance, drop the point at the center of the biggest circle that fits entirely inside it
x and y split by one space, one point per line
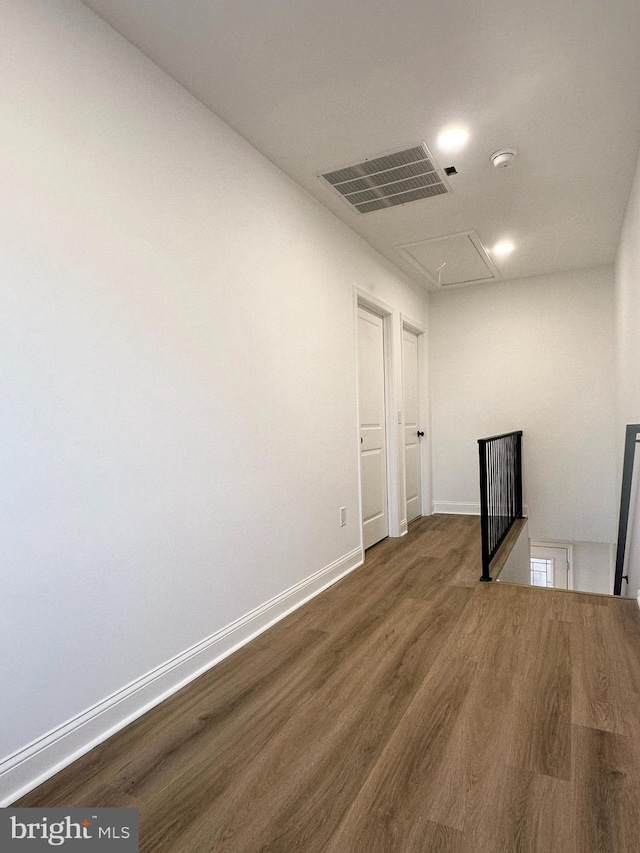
320 84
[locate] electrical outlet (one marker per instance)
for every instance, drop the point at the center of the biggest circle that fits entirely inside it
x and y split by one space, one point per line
343 516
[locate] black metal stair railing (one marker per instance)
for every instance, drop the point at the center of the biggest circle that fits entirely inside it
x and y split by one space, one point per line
500 491
632 438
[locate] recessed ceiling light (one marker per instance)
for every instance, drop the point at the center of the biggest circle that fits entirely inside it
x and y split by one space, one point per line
503 248
453 139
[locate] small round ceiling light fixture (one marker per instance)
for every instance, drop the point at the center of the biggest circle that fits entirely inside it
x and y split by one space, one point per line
503 249
453 139
503 158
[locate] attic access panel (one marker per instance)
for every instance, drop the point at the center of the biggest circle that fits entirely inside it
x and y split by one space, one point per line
450 260
389 180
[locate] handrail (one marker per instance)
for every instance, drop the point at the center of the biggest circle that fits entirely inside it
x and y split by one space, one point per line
631 439
496 437
500 491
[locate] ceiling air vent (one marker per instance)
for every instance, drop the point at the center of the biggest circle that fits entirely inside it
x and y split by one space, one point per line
392 179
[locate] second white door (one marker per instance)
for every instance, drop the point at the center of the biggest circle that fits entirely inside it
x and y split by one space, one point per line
373 454
412 430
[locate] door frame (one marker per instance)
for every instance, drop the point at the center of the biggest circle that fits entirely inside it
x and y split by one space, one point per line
363 299
425 418
555 543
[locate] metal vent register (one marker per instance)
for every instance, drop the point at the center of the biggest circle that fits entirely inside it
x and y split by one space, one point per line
397 178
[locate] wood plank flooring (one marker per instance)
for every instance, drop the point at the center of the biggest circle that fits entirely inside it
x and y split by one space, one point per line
407 708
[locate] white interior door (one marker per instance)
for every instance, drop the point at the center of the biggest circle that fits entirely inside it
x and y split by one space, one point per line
373 454
412 430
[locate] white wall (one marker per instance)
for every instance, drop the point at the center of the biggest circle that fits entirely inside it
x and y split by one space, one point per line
592 567
178 425
628 361
517 567
537 355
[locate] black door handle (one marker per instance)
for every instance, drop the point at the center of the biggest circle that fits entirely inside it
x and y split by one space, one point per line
420 434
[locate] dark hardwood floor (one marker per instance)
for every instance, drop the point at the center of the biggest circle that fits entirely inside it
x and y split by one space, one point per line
407 708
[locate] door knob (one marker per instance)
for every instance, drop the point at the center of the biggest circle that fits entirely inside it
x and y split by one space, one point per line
420 433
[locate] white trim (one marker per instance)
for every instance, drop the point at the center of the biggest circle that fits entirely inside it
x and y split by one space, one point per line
41 759
425 412
561 545
461 508
412 325
395 483
357 424
404 527
456 508
368 300
362 299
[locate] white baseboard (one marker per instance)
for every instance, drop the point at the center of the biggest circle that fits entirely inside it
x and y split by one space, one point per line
458 508
41 759
404 527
